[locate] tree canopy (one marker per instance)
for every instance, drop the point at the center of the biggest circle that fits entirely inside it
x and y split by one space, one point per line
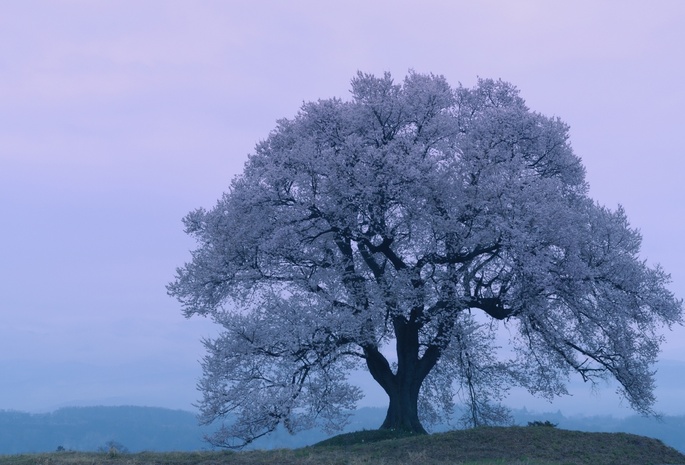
404 231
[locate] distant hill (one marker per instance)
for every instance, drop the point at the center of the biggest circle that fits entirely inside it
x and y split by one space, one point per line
89 428
158 429
136 428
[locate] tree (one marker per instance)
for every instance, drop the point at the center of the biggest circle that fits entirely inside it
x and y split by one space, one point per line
404 231
114 448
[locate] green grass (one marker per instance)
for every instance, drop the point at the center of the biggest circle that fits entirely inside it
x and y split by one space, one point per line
481 446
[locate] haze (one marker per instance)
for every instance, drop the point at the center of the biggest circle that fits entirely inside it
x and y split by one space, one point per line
119 117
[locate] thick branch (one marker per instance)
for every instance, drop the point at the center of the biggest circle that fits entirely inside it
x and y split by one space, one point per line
456 258
493 306
379 368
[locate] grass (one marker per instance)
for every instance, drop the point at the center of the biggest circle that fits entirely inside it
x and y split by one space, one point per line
481 446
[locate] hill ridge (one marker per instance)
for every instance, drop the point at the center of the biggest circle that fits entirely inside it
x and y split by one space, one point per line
516 445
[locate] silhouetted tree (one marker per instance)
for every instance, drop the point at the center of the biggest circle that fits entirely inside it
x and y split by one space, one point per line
398 231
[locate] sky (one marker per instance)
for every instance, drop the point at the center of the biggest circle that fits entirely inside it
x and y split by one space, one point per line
119 117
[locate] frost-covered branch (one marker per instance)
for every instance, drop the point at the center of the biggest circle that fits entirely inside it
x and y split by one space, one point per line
388 223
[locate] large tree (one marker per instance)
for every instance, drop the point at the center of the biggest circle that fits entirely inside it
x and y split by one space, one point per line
409 231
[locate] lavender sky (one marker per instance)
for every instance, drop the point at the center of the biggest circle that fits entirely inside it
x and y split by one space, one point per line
119 117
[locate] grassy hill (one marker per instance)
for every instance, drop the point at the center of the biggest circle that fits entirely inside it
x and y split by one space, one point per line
482 446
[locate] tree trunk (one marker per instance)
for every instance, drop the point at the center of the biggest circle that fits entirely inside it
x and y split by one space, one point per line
402 387
403 411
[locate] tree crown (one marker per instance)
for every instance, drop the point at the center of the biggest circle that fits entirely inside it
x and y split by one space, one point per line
411 216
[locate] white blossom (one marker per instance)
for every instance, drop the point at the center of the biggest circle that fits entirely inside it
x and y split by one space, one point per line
390 220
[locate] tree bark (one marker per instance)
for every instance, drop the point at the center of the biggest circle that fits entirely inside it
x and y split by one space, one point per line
403 413
404 386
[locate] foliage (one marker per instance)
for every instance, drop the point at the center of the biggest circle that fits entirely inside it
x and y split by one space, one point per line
113 448
402 232
545 423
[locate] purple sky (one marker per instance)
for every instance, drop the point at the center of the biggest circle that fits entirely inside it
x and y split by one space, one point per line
119 117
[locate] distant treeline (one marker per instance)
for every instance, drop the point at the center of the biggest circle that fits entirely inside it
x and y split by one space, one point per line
157 429
91 428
